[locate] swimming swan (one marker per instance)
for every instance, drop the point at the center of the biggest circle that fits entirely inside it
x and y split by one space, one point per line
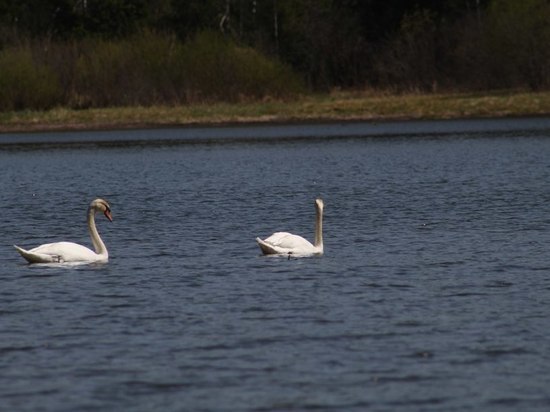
283 243
62 252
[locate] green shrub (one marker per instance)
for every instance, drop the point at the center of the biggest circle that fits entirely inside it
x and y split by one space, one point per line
259 77
145 69
518 38
101 75
156 68
217 69
24 84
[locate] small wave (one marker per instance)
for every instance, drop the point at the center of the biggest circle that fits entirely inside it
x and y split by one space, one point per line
500 352
9 349
505 352
400 285
404 378
465 294
145 387
504 401
41 276
498 284
409 324
111 296
420 402
524 402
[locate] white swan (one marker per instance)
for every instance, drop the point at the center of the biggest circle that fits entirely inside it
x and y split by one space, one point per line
62 252
283 243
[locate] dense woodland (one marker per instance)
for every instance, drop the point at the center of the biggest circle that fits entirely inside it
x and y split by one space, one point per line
97 53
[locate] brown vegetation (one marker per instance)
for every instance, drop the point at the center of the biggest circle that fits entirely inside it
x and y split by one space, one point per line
337 106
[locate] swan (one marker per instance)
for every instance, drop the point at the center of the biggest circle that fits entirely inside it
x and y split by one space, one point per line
62 252
284 243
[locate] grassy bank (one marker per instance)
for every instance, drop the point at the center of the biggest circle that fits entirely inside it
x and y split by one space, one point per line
331 107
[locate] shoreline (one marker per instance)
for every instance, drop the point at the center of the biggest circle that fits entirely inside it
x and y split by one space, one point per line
331 108
91 128
284 132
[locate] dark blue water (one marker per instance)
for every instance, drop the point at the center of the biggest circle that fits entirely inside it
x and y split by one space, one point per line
433 293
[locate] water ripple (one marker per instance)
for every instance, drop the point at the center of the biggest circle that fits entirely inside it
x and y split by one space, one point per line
431 294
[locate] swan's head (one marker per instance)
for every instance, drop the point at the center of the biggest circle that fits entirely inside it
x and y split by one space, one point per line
101 205
319 204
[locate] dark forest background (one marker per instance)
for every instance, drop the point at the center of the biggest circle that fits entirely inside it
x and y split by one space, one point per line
97 53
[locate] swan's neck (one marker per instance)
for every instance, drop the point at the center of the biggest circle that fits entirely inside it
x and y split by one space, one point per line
319 228
99 246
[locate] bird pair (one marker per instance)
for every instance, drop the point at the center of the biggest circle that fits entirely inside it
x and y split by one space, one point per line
279 243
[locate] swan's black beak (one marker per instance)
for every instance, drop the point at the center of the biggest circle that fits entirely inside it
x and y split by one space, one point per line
107 214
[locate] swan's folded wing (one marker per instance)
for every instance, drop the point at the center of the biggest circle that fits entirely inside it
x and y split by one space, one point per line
287 240
268 249
59 252
33 257
285 243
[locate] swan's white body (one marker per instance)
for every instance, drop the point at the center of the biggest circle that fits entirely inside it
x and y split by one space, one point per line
284 243
68 252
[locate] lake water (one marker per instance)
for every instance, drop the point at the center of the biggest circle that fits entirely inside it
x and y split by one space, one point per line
433 293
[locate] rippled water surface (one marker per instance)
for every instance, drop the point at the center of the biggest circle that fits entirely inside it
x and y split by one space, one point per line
433 293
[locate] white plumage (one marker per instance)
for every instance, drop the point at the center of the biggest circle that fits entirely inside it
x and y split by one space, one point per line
284 243
65 252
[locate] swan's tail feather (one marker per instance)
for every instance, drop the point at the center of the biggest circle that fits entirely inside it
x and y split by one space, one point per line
266 248
32 257
21 251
